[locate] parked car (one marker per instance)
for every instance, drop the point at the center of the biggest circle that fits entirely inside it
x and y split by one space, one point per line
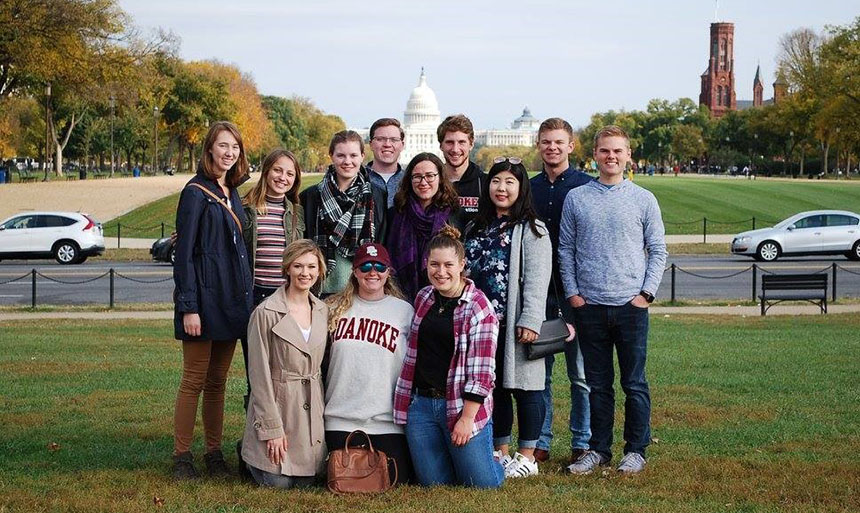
68 237
162 249
817 232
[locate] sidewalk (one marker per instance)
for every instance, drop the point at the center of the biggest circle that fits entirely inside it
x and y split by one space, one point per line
110 242
666 311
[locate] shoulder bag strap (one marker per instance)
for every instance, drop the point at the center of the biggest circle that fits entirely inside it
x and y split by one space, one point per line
522 270
221 202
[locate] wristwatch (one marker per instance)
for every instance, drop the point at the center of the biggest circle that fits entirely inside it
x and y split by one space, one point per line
647 295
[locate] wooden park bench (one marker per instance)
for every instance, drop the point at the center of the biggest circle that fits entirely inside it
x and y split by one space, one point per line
793 287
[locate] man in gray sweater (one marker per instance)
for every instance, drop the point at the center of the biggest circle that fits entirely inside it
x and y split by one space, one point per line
612 253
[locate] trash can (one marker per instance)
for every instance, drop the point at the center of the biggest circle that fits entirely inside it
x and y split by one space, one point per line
2 175
82 173
135 172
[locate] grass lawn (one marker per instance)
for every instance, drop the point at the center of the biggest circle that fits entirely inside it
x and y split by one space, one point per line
727 203
145 222
752 415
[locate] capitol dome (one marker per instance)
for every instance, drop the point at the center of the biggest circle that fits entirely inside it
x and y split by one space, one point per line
526 121
422 107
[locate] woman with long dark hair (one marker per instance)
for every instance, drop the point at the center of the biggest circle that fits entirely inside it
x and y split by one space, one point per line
504 241
424 203
344 210
213 293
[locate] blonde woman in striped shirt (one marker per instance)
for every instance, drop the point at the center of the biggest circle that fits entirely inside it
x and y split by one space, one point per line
275 219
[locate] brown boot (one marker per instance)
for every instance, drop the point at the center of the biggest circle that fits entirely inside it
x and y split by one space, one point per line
575 454
183 467
541 455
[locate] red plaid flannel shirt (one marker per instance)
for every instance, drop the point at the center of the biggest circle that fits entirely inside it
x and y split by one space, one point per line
473 367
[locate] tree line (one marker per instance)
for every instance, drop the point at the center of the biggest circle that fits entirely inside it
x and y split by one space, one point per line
78 74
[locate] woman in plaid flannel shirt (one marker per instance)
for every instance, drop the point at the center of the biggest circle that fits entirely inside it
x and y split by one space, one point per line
444 393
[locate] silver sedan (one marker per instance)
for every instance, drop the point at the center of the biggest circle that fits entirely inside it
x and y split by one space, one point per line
818 232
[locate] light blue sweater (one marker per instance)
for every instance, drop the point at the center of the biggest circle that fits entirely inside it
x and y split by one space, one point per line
612 243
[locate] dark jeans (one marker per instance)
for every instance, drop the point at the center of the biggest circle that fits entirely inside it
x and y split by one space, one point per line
392 444
530 407
260 293
601 328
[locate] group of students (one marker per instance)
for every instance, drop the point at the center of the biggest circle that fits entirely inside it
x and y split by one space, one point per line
400 302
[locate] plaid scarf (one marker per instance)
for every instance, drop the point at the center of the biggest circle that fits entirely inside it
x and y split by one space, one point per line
346 217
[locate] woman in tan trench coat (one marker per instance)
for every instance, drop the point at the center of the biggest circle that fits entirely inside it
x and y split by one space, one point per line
284 437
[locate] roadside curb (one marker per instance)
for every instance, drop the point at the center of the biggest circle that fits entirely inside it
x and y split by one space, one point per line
666 311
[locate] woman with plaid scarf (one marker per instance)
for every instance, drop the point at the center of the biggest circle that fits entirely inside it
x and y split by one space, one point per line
344 210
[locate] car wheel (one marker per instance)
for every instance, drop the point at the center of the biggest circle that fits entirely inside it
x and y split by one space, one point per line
171 256
66 252
768 251
855 251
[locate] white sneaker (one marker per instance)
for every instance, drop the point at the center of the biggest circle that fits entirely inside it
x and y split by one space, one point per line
521 466
631 463
504 460
586 463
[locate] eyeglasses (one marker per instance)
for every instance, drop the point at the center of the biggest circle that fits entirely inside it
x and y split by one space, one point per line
390 140
513 160
429 178
368 266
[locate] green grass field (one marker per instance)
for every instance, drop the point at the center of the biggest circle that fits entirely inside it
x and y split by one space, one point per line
753 415
729 204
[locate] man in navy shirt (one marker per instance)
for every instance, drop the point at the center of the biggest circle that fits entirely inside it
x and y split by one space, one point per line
549 188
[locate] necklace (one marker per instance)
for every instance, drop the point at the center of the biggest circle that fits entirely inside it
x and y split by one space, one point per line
445 302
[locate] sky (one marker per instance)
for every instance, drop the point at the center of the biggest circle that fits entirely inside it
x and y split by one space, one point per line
487 59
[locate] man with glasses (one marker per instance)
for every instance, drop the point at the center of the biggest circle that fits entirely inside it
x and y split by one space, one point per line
386 142
555 144
456 139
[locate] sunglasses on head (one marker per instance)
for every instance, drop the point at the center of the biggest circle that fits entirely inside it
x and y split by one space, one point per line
513 160
368 266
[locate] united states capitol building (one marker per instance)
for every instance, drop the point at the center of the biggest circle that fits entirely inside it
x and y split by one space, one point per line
422 117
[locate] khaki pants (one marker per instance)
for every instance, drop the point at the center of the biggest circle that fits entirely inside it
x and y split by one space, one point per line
204 369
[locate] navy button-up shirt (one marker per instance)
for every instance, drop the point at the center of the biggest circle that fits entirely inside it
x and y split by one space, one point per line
548 198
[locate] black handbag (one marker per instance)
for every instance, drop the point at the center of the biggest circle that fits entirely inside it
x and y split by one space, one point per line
551 340
553 332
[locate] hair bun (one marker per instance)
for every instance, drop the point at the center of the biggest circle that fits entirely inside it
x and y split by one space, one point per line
449 231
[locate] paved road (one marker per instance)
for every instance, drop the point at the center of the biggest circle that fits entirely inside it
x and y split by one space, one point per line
730 277
152 282
86 283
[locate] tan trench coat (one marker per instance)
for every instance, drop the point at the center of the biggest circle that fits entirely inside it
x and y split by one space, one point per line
286 389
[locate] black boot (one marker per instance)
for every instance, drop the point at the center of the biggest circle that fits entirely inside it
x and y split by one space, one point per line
215 464
244 473
183 467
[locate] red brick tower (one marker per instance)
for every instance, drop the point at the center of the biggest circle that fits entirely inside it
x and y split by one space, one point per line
718 82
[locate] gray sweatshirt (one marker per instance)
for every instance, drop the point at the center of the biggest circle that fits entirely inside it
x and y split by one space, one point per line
612 243
367 351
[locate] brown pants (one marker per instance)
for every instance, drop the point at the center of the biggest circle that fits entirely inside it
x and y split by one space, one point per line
204 369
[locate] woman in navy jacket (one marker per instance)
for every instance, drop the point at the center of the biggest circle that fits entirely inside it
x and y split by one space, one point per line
212 297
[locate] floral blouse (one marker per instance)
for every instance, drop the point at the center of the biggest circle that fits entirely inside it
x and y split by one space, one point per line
488 254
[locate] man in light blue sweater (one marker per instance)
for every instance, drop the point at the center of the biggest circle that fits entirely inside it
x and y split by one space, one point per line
612 253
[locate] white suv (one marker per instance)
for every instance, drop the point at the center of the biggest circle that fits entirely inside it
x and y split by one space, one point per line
68 237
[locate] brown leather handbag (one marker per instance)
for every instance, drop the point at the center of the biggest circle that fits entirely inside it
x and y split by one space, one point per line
359 469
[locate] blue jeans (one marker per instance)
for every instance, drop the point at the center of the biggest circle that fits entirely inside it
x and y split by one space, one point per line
530 414
437 460
625 328
580 415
